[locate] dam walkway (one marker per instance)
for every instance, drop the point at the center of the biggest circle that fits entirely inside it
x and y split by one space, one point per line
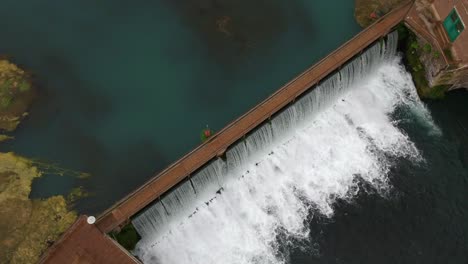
85 243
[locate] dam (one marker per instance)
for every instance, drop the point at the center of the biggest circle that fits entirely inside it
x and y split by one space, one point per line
262 157
200 175
219 143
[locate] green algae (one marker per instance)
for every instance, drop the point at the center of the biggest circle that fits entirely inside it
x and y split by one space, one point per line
16 95
5 138
76 194
409 45
27 227
56 169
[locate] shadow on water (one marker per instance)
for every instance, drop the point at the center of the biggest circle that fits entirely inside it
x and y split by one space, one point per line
234 32
231 30
90 103
133 163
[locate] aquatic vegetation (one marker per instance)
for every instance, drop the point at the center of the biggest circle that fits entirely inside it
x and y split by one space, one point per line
367 11
5 137
54 168
222 24
75 194
16 94
28 227
413 50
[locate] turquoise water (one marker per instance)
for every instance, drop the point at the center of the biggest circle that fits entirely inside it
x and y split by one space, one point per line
125 88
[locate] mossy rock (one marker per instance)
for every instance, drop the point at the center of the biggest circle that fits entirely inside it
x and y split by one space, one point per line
16 95
408 44
436 92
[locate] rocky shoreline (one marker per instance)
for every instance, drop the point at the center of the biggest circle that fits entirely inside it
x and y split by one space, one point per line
27 226
427 56
367 11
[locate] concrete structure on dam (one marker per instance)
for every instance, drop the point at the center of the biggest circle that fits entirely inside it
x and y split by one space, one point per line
442 25
89 243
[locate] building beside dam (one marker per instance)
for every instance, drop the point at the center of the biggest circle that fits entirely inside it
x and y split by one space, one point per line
442 25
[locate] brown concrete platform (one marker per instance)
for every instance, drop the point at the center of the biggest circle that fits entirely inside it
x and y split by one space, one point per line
417 25
85 244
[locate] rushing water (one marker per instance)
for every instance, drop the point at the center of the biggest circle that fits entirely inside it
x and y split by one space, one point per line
265 207
126 87
305 203
371 179
161 217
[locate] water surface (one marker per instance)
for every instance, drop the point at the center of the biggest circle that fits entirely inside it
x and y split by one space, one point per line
127 87
423 219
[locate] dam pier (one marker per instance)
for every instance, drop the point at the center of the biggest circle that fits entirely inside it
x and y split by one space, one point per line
90 243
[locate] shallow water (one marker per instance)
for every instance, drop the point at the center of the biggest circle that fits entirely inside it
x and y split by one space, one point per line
126 87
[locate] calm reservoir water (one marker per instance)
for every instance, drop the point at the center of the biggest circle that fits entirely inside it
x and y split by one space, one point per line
126 87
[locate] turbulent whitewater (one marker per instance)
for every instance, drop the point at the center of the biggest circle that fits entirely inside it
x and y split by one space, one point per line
246 208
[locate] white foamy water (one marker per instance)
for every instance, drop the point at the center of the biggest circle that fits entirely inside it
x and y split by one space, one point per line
272 192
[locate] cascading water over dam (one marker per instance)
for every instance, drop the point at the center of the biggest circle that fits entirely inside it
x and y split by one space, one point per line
245 208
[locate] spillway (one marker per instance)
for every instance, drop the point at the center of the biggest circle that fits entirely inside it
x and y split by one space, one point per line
248 206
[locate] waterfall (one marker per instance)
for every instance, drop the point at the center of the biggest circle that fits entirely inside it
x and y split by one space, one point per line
210 177
211 193
179 202
259 140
